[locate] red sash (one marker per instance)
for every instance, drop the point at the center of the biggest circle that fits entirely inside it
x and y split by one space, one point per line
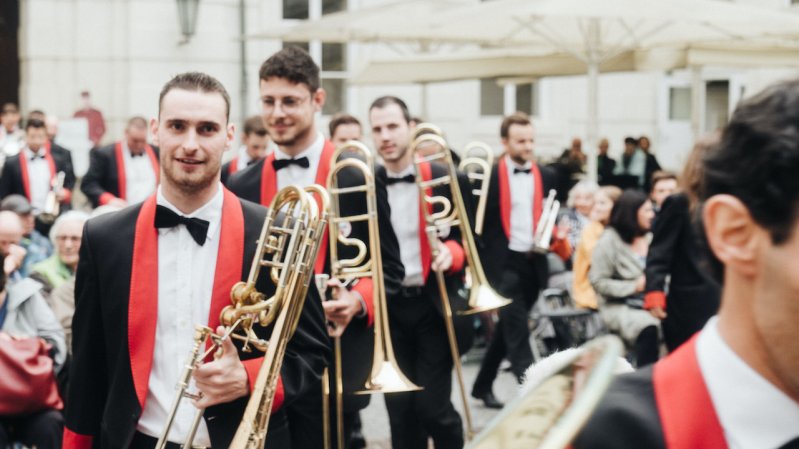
504 195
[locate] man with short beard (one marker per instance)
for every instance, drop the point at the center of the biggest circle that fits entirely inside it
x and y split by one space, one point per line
290 98
150 273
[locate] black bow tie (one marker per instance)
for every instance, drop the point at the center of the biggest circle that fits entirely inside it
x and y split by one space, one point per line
37 156
167 218
521 170
406 178
132 154
283 163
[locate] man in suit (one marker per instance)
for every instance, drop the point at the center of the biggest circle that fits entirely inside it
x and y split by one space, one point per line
291 96
33 171
254 146
344 127
151 272
417 324
735 384
125 172
516 196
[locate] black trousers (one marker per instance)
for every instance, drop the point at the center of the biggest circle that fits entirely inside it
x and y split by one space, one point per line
42 429
420 343
511 337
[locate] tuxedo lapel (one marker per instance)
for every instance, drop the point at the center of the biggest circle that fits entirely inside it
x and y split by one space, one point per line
268 180
23 173
321 179
425 172
121 174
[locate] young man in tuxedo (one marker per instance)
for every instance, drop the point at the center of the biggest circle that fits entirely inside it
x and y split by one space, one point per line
254 146
516 196
417 324
290 97
33 171
151 272
735 384
344 127
125 172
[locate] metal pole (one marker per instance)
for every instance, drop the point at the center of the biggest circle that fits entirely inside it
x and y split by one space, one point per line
243 90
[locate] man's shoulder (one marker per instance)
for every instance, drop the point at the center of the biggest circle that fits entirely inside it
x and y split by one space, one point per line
105 150
252 210
627 416
112 225
245 174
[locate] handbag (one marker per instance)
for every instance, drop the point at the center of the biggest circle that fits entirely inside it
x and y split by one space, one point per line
27 380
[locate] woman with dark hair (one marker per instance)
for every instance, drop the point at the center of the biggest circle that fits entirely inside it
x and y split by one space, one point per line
617 275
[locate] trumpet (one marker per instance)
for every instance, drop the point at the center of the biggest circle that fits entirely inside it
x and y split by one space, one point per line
546 224
287 245
478 169
51 205
386 376
481 296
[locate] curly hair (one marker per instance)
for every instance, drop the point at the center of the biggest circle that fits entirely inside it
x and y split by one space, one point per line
294 64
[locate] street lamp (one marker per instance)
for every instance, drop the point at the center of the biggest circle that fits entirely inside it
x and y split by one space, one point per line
187 14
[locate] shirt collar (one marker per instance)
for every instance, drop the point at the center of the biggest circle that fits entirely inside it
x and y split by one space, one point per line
313 152
753 412
511 164
409 170
210 211
30 154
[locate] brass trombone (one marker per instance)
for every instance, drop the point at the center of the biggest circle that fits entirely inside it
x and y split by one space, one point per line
386 376
478 168
452 213
546 224
287 245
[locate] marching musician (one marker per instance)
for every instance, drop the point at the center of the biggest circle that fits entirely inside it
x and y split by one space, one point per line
151 272
417 325
516 195
33 171
735 384
254 146
125 172
344 127
291 96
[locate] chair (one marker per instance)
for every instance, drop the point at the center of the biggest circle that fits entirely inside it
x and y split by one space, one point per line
559 324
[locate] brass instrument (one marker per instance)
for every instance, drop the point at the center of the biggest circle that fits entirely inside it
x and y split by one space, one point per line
52 207
288 243
551 413
546 224
385 376
481 296
478 169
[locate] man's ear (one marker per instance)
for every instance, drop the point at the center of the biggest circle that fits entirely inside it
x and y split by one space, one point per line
154 130
319 98
732 234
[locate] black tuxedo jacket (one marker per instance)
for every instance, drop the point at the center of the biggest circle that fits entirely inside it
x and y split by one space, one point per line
258 183
14 180
114 328
105 179
496 225
677 251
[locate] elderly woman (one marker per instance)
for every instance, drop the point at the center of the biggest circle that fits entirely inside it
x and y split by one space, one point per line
60 267
617 275
576 216
24 313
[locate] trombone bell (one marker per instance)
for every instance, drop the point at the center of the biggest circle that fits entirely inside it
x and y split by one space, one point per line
387 378
482 299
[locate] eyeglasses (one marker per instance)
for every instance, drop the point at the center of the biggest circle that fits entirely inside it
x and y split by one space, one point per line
287 104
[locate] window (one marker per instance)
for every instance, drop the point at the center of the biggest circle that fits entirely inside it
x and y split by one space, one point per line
334 57
336 95
296 9
492 97
527 98
680 103
331 6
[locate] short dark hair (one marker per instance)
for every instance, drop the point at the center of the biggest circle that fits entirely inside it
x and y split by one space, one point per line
517 118
294 64
757 159
36 114
35 123
662 175
254 125
624 215
137 121
386 100
630 140
195 81
341 118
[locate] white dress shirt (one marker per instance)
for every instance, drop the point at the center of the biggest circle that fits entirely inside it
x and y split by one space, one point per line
753 413
294 174
185 282
140 180
403 198
243 158
522 189
38 178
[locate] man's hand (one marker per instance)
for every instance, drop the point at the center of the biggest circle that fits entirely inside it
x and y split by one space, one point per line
222 380
443 260
13 261
117 202
658 313
340 310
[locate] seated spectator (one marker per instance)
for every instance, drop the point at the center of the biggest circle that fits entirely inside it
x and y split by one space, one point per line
578 209
37 246
65 234
10 236
664 183
617 276
24 313
582 292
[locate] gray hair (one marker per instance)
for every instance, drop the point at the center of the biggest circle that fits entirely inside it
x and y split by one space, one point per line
584 186
73 215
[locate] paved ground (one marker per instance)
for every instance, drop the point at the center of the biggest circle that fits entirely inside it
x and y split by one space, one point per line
375 418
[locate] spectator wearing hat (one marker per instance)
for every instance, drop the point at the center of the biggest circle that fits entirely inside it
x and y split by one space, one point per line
37 246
